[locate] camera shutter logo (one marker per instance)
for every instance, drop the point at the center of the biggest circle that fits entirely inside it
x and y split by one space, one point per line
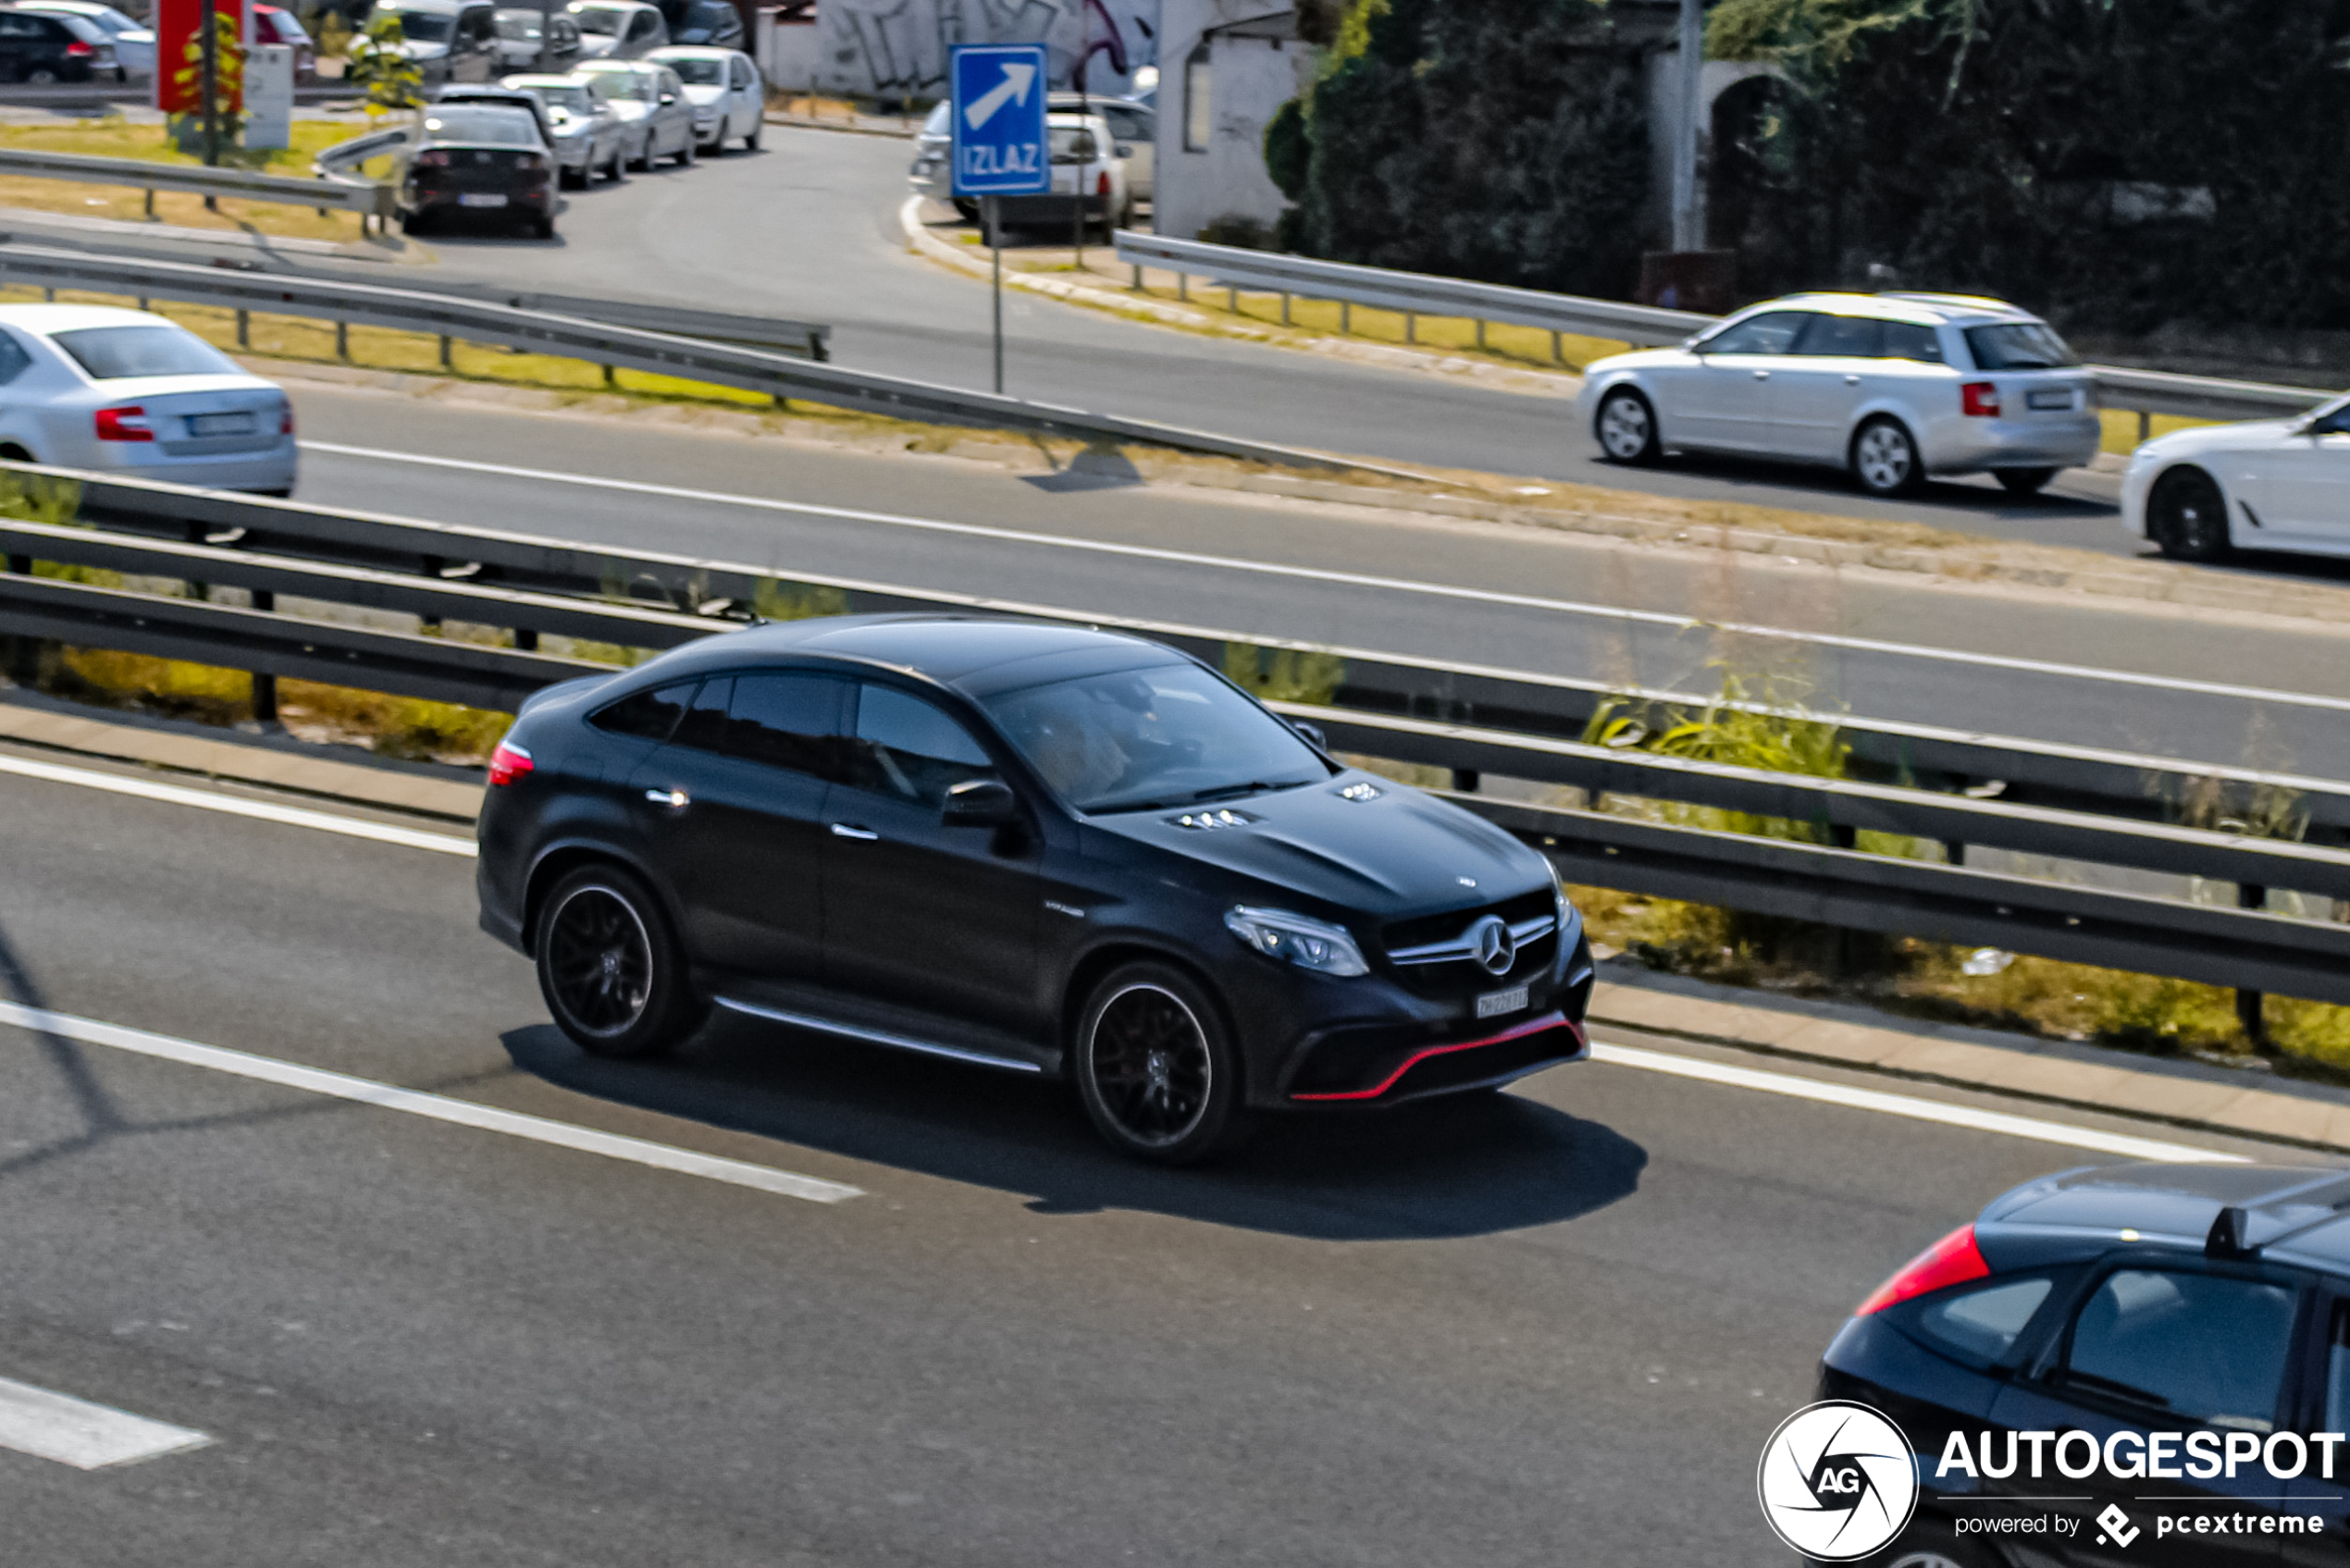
1837 1481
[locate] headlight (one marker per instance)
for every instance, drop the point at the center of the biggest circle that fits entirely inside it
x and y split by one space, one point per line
1293 939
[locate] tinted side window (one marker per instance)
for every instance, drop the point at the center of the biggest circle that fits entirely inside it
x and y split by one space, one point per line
704 726
910 748
1771 333
648 715
2201 1346
1905 339
1982 1325
1845 336
14 361
786 720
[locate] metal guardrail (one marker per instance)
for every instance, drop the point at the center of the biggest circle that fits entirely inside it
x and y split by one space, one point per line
454 316
642 600
1233 267
369 200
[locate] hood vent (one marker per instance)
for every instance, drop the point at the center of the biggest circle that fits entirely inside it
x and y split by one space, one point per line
1204 821
1361 789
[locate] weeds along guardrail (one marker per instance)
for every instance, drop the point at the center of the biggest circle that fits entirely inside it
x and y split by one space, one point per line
612 344
1235 268
286 556
370 199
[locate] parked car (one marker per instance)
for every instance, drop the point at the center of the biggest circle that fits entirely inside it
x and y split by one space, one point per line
476 160
2205 1301
134 43
723 89
499 93
1134 127
618 30
711 23
1089 178
126 392
518 40
38 48
274 24
1042 848
650 102
449 39
2268 484
1890 388
587 133
929 175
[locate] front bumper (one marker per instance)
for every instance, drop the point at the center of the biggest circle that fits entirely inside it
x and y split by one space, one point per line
1358 1067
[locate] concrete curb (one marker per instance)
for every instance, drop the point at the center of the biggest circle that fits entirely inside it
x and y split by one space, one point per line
808 122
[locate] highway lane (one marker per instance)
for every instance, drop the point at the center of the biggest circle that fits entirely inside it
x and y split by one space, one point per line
1554 1328
1523 577
808 227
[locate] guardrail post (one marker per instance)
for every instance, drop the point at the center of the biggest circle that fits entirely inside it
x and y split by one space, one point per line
1480 333
2146 426
1345 317
1184 286
1285 307
49 293
143 302
444 352
1558 352
1411 326
151 203
611 376
1137 284
526 639
2251 1010
265 685
1465 780
244 329
343 339
1233 298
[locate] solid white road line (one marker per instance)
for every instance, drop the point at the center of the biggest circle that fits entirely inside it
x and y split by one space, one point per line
1911 1107
1352 579
463 1113
86 1436
235 805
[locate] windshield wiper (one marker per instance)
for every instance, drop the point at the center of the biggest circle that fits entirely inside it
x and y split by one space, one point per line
1229 791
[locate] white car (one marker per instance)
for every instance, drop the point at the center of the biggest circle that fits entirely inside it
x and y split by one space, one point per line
724 91
134 44
1890 388
1088 179
618 30
650 103
127 391
2271 484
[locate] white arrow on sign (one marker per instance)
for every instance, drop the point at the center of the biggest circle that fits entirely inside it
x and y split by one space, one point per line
1013 87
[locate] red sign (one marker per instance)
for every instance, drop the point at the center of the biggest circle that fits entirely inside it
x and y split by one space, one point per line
177 23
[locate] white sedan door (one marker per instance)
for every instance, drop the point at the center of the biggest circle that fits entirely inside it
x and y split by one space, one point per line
1723 402
1824 380
2305 482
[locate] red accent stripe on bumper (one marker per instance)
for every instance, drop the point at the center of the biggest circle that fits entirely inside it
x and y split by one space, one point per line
1519 1031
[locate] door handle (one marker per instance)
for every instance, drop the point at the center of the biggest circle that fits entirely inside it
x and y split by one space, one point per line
844 830
676 799
1851 380
1762 376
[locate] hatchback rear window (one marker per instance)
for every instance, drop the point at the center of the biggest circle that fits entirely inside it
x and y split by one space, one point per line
116 353
699 73
2019 345
495 128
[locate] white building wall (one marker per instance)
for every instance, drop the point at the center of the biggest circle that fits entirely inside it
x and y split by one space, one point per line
1248 80
897 48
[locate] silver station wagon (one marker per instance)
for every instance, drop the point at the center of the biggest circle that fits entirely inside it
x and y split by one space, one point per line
1890 388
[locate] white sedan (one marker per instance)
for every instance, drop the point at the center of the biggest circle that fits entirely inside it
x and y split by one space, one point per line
2272 484
725 88
129 392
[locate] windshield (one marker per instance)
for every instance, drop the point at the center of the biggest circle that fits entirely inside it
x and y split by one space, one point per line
1142 739
572 100
627 84
604 24
2019 345
1073 144
423 27
517 24
116 353
699 73
939 116
499 128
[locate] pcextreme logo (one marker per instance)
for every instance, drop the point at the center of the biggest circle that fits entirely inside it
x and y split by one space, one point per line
1837 1481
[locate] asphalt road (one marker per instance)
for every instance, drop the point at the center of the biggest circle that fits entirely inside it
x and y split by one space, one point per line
1554 1328
1880 644
808 227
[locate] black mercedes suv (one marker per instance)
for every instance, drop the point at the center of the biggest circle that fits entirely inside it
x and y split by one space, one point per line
1036 847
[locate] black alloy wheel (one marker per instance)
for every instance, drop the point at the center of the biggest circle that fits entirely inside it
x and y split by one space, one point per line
1627 429
2187 517
608 967
2024 481
1885 459
1156 1072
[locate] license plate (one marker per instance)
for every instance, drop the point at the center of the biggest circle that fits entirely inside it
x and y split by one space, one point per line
1494 1004
220 424
2048 399
473 200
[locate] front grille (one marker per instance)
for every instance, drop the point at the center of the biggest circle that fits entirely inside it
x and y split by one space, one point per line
1464 977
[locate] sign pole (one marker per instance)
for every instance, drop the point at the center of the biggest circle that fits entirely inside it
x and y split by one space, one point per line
999 147
210 41
996 244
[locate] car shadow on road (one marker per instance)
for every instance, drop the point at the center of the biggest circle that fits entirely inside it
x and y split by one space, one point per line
1453 1167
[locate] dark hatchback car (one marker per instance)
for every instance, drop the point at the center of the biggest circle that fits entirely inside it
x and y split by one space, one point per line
36 48
478 161
1037 848
2211 1301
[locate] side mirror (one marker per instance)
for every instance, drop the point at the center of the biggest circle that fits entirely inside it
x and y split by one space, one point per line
979 803
1124 150
669 97
1311 734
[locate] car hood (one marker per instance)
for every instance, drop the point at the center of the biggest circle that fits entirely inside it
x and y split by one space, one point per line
2217 437
631 108
1400 853
703 97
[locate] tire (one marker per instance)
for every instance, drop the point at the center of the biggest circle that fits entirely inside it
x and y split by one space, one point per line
750 142
543 228
968 209
688 150
643 162
40 76
613 173
1626 428
1156 1068
2024 481
414 223
1885 459
2187 517
610 968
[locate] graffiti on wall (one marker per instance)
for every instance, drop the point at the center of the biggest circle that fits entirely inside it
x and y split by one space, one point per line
898 47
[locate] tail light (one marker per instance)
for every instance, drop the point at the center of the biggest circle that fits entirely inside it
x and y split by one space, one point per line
285 421
78 50
128 423
508 763
1980 399
1953 1260
433 158
1101 185
530 161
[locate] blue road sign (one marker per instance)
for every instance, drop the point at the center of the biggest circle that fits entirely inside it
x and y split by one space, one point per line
999 120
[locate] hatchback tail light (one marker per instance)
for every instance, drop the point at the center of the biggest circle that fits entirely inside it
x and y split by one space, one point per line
127 423
432 158
78 50
508 763
285 421
1101 185
1980 399
1953 1260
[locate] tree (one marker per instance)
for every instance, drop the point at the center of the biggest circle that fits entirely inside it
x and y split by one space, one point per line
378 62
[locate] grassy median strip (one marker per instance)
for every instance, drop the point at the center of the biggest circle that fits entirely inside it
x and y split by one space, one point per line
115 137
